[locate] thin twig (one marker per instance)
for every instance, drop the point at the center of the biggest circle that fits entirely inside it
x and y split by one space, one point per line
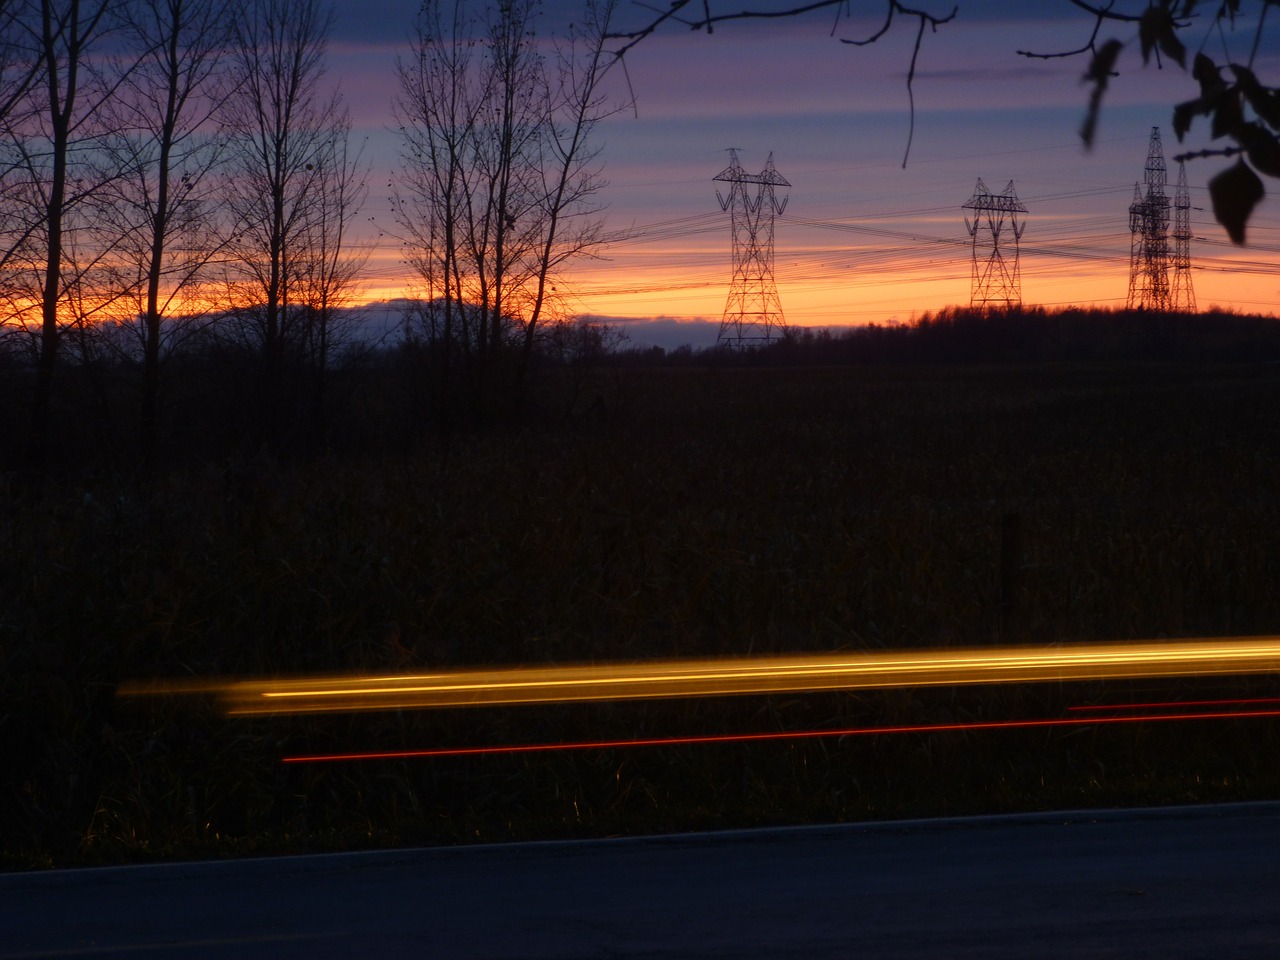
1201 154
1090 47
633 37
1257 35
925 20
1106 13
888 21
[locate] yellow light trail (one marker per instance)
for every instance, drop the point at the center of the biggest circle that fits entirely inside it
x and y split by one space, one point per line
711 677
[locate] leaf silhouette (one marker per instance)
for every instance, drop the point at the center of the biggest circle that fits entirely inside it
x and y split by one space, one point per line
1158 30
1235 192
1184 112
1261 147
1265 101
1101 70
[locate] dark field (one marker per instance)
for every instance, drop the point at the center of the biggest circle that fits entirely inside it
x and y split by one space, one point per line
694 511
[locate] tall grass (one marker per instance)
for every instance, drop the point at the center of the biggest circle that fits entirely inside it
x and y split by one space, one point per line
704 511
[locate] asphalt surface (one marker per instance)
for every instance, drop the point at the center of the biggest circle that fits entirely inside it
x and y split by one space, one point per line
1170 883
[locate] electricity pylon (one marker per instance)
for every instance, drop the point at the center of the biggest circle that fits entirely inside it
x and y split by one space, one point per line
1149 229
997 280
753 312
1183 297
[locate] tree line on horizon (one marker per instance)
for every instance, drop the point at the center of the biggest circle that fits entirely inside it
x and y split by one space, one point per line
978 335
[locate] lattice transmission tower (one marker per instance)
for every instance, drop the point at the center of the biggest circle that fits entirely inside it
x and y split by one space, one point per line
997 278
1149 227
753 312
1183 296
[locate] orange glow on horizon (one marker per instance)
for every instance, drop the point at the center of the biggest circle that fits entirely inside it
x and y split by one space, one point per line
27 312
710 677
851 297
817 287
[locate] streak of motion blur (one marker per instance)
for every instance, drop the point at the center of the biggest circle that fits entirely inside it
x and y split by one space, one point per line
712 677
1139 713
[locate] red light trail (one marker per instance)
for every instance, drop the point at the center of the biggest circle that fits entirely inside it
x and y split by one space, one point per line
1177 703
798 734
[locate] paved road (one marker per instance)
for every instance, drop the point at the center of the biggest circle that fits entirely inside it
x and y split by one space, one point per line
1176 883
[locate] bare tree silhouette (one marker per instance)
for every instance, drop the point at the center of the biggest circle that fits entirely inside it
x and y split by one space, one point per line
497 176
167 200
52 135
292 186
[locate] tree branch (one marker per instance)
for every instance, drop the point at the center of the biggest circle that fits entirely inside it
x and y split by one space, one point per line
1201 154
1090 47
709 19
1106 13
925 20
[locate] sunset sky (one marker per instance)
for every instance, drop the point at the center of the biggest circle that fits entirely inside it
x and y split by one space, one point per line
862 239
